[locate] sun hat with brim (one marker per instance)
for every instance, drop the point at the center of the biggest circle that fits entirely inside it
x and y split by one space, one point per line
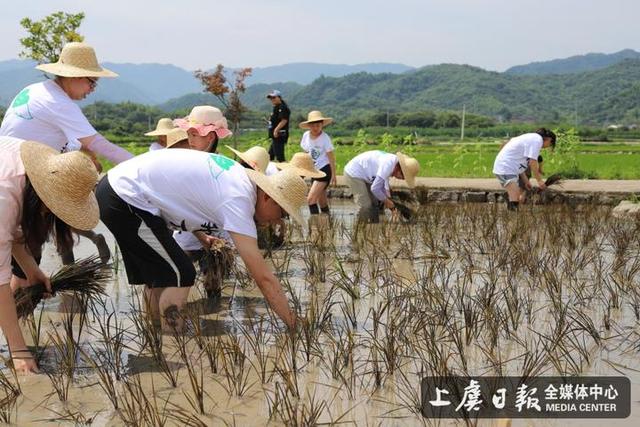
302 164
256 157
410 168
315 116
77 60
176 135
64 183
205 119
285 187
164 126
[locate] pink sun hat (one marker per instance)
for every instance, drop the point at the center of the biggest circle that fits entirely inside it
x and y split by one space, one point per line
205 119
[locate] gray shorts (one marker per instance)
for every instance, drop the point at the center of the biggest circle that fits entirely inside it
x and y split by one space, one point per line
507 179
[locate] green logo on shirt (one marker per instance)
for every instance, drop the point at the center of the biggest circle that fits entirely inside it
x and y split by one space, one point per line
222 162
20 105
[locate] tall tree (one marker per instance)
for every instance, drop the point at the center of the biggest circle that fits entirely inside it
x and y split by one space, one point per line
48 36
227 93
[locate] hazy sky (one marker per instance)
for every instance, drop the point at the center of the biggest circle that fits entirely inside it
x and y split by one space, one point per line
493 34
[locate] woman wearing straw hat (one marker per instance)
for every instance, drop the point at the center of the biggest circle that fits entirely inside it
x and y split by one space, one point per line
192 191
368 177
164 126
205 126
317 143
42 192
46 111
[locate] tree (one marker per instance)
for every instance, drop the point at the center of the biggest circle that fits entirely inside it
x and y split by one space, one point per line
48 36
227 93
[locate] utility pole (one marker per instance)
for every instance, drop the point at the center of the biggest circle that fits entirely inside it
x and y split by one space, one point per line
464 108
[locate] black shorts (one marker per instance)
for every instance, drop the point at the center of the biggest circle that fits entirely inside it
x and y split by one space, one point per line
150 253
327 178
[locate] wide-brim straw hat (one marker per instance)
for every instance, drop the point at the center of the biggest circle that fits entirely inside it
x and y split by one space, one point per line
176 135
205 119
302 164
410 168
285 187
256 157
164 126
64 183
77 60
316 116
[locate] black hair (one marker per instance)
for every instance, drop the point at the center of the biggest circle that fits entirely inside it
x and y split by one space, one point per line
546 133
38 224
214 144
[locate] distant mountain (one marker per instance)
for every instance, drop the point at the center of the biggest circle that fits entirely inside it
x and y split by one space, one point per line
607 95
305 72
574 64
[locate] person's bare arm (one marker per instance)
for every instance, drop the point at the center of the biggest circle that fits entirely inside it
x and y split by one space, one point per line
279 126
28 264
267 282
535 171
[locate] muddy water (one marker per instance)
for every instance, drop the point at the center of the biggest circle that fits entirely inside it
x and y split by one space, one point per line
354 401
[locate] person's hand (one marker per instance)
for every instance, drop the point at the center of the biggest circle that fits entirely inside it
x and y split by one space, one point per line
38 276
527 185
211 242
24 363
542 185
334 181
388 203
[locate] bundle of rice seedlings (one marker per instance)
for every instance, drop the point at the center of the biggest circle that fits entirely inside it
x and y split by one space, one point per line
553 180
215 265
88 277
406 212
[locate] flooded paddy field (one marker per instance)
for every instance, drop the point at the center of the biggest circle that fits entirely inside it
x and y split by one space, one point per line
463 290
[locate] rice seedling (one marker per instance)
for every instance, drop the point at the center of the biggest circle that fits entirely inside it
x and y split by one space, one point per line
140 408
195 375
257 339
9 393
87 277
236 367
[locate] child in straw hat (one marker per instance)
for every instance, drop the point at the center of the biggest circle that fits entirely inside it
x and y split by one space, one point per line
164 126
42 192
317 143
192 191
368 177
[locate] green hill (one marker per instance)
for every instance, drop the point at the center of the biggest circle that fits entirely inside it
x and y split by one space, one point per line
574 64
598 97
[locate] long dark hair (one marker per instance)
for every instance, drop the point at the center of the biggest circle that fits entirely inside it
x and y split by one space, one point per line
38 223
214 144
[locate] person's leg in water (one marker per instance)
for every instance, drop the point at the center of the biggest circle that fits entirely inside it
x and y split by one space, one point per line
167 305
315 196
97 239
513 193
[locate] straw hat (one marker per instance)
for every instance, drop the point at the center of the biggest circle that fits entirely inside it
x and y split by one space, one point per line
285 187
316 116
176 135
410 168
256 157
302 164
205 119
77 60
163 127
64 183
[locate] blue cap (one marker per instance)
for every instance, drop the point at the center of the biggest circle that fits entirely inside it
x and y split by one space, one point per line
274 93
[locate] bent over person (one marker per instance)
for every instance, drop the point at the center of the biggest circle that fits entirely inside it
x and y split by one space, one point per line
515 157
368 176
188 190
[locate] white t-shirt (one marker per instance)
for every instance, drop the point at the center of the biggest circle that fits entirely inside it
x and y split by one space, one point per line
317 148
374 167
43 112
514 157
191 190
271 169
